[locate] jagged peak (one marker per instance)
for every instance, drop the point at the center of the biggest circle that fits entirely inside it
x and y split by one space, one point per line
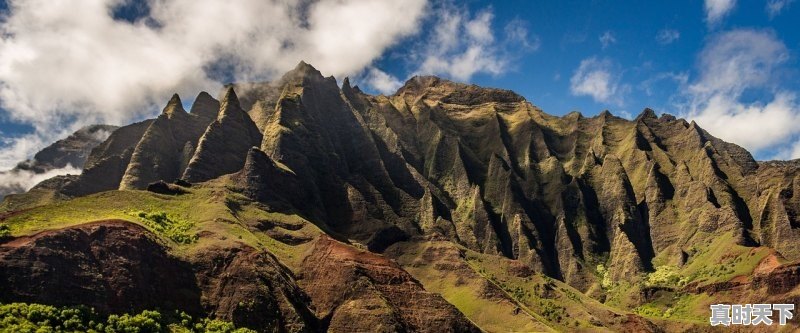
348 88
450 92
574 114
230 102
647 113
205 105
302 72
174 106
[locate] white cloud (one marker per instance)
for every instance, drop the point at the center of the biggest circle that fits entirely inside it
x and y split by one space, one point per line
718 9
597 78
754 126
462 44
17 181
386 84
775 7
732 64
16 149
65 64
667 36
607 38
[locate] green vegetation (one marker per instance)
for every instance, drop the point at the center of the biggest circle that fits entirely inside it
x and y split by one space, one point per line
605 278
207 209
23 317
5 231
172 227
666 276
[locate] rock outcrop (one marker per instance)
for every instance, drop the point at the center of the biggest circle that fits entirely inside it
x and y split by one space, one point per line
382 297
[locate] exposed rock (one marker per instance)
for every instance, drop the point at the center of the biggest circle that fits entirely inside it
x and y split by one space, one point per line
112 266
382 297
223 147
162 187
160 154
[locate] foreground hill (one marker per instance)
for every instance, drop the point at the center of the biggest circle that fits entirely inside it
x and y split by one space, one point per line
331 209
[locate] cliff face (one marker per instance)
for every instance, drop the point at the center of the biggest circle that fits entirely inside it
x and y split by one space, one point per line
482 167
593 202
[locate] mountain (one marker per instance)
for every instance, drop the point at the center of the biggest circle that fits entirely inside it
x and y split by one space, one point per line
68 154
468 207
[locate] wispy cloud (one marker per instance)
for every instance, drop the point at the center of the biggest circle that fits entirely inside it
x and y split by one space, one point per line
598 79
463 44
731 64
606 39
667 36
775 7
381 81
716 10
17 181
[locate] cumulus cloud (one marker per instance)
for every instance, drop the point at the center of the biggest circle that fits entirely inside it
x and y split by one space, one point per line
775 7
463 44
606 39
718 9
735 63
382 82
598 78
65 64
17 181
667 36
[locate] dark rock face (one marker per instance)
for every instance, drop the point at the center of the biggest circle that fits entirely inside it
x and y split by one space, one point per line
161 187
261 179
117 266
222 149
113 266
252 289
159 154
381 297
74 150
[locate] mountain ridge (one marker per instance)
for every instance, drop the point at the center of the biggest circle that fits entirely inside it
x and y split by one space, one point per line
601 204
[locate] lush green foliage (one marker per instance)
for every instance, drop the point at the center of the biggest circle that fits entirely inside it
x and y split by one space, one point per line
666 276
4 231
173 228
22 317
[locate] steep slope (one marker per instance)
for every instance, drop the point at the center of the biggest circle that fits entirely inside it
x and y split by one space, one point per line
165 147
618 210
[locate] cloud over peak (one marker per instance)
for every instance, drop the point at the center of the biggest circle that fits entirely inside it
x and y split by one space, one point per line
70 63
732 64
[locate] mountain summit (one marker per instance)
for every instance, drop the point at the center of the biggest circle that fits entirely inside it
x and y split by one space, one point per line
496 215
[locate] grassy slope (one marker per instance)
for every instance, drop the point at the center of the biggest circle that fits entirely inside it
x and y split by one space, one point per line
217 215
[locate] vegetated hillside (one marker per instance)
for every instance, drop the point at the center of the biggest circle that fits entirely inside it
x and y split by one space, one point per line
497 215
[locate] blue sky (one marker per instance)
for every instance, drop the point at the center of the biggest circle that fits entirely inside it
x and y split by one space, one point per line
731 65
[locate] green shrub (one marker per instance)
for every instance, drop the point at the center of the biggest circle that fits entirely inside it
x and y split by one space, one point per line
23 317
666 276
5 231
173 228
